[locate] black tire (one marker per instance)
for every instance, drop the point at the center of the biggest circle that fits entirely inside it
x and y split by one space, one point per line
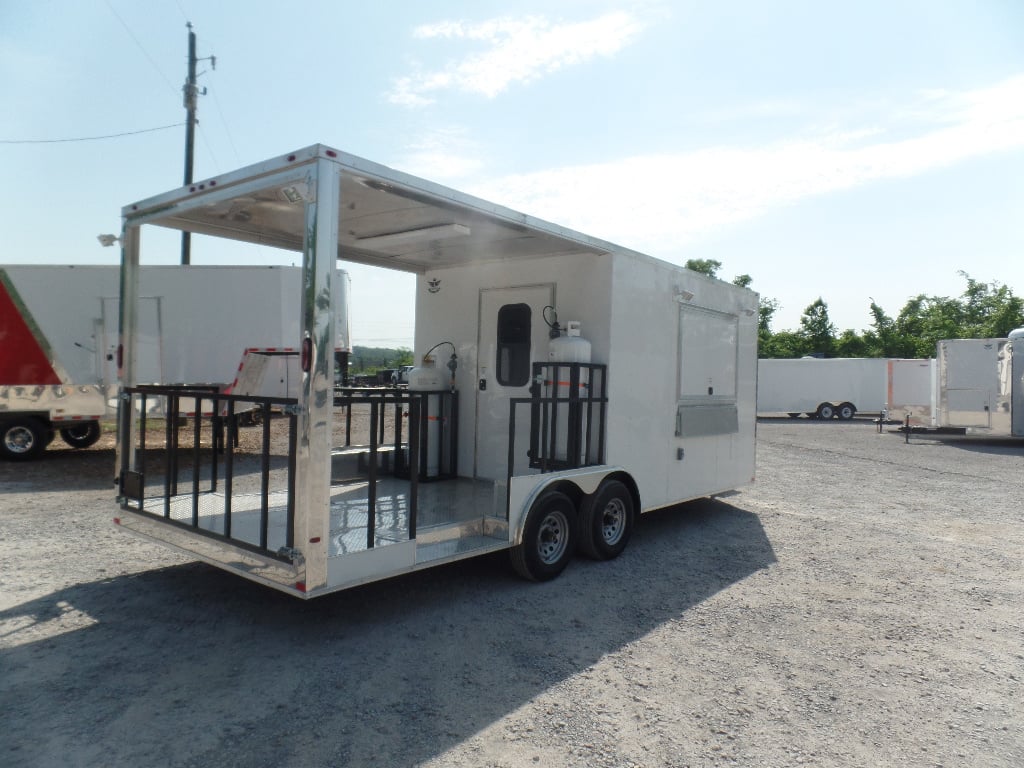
606 521
548 538
22 439
846 411
81 435
825 411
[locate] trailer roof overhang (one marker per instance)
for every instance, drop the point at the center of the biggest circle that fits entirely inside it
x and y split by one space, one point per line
386 218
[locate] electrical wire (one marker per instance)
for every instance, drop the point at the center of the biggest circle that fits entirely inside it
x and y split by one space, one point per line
141 47
90 138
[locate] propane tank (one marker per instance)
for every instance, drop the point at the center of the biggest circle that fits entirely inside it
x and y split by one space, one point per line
427 377
1017 334
571 348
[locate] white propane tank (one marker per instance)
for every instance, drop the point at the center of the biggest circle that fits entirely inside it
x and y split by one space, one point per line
1017 334
427 377
571 348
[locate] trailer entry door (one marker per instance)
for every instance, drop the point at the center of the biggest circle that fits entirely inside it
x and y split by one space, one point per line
512 335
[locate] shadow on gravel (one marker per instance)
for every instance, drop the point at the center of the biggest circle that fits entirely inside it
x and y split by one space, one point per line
61 469
196 663
997 446
68 469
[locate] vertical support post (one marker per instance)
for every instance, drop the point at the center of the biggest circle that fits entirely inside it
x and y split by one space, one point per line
313 452
127 325
371 498
414 462
229 465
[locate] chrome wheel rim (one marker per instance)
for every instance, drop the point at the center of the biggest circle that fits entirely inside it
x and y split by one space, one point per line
19 439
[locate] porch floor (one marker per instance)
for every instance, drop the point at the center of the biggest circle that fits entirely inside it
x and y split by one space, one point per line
442 507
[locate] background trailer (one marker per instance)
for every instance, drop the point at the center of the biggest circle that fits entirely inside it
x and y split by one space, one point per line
563 386
980 385
192 325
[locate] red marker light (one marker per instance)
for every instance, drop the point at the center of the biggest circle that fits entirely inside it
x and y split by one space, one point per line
306 356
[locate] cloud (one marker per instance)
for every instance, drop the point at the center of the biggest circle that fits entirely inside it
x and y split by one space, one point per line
648 201
445 154
517 50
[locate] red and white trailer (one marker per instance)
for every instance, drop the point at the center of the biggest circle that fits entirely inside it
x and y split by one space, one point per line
59 339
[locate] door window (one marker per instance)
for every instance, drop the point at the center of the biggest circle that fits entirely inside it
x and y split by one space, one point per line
512 368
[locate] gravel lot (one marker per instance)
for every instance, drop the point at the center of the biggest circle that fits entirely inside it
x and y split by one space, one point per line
861 605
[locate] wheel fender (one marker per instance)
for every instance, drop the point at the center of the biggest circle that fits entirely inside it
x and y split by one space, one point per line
582 482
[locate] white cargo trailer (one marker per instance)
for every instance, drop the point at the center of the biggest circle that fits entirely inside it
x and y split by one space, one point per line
59 338
821 388
980 385
564 386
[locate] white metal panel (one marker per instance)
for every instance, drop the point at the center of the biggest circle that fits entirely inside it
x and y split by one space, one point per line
967 373
910 386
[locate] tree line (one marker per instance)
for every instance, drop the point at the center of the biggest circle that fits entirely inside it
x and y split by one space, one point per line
982 311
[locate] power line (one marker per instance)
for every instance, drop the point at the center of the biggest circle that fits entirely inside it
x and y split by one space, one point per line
141 46
89 138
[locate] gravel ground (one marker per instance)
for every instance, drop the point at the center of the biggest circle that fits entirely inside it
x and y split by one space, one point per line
860 605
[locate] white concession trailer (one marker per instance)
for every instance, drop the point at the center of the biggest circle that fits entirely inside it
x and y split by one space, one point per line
564 386
192 325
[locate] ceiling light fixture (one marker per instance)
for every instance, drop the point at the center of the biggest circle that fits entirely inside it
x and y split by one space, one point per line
421 235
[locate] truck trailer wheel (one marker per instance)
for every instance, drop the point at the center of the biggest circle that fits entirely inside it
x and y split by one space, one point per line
825 411
548 538
606 521
846 411
22 439
81 435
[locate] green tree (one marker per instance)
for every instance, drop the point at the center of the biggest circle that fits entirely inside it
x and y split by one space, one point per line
743 281
817 329
707 267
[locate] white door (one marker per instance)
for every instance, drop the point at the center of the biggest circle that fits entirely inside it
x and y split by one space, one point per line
512 336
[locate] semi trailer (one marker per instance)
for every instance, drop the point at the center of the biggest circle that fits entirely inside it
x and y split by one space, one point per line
193 326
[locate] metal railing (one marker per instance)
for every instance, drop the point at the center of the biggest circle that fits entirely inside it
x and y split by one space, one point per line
568 406
207 472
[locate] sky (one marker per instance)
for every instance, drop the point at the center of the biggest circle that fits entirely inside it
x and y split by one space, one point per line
847 151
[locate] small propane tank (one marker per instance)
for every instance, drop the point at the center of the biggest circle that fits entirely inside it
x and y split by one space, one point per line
1017 334
571 348
426 377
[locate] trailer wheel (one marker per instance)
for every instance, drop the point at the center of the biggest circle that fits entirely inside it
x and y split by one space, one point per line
846 411
548 538
606 521
81 435
23 439
825 411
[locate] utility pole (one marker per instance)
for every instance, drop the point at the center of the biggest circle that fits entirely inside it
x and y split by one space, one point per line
191 98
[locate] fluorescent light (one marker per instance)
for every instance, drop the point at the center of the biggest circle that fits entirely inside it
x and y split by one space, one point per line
421 235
